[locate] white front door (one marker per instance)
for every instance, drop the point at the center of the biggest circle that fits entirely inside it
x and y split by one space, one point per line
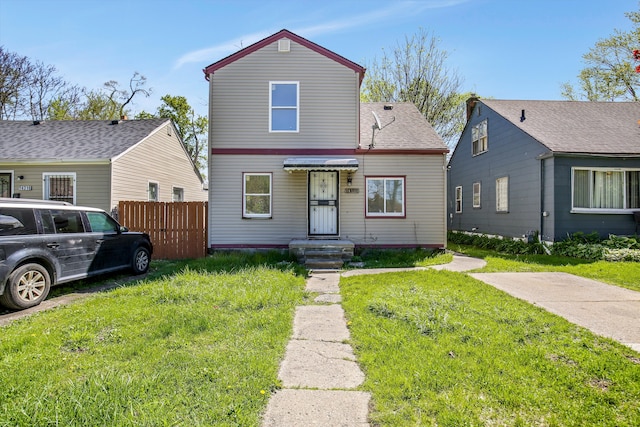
323 203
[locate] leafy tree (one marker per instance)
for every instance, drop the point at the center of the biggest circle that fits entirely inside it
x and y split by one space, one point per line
192 129
416 72
610 73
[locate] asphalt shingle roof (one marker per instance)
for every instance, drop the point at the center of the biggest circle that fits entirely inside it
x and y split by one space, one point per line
72 139
403 128
576 126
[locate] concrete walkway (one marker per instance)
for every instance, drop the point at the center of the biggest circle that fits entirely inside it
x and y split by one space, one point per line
319 373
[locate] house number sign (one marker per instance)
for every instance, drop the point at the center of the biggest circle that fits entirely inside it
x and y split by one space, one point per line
25 188
351 190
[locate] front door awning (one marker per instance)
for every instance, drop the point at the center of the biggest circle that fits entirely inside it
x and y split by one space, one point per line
320 163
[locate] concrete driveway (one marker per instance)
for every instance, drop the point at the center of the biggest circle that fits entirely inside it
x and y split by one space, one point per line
606 310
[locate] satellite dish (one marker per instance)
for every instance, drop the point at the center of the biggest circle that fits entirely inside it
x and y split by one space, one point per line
377 125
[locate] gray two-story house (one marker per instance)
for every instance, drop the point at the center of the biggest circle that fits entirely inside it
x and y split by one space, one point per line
295 156
551 167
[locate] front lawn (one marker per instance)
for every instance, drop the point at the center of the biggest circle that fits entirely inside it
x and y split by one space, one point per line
198 346
441 348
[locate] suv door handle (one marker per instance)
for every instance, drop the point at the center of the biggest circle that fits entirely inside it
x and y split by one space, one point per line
53 245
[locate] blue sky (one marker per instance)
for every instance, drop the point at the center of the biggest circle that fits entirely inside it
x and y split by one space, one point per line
505 49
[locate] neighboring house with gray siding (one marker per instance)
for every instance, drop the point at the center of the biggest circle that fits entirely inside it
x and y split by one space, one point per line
96 162
295 156
552 167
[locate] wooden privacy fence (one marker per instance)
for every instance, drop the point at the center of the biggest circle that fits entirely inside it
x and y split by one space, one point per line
178 230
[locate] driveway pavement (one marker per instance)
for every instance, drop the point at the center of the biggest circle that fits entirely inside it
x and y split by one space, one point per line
606 310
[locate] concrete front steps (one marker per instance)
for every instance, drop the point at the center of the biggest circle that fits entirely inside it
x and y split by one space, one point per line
322 254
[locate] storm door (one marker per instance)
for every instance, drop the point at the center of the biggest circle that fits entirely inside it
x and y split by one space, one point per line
323 203
5 185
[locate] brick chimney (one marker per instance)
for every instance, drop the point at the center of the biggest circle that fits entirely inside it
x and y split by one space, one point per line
471 103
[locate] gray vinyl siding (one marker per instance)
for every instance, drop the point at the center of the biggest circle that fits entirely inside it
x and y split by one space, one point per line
567 223
511 153
92 181
239 101
424 224
159 158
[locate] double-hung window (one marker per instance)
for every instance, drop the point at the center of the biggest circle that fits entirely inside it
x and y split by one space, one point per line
256 195
459 199
284 111
479 138
476 194
605 189
60 186
385 196
153 192
502 194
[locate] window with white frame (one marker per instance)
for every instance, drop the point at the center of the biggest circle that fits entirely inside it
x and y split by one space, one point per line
256 195
605 189
177 194
385 196
283 106
458 199
153 192
479 138
476 194
502 194
59 186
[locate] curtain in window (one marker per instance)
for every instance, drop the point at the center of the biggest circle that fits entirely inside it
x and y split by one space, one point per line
581 189
608 190
633 189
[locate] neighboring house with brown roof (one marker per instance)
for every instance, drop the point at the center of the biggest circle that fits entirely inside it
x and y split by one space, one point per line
295 156
96 162
552 167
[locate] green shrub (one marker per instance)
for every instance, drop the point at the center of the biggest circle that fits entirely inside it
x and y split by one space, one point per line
506 245
618 255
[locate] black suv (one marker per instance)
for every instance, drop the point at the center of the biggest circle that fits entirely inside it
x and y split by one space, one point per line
43 244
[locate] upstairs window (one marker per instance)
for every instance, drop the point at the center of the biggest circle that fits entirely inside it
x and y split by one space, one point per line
60 187
283 106
479 138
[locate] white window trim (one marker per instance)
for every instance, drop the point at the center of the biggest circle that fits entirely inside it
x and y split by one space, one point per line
478 193
581 210
173 193
244 196
499 208
149 192
477 127
297 107
458 198
387 214
45 185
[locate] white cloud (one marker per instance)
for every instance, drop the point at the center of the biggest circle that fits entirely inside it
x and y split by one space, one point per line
396 10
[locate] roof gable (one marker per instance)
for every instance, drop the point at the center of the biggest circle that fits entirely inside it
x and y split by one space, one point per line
576 127
73 140
282 34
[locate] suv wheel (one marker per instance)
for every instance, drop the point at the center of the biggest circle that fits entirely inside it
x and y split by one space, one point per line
141 260
27 286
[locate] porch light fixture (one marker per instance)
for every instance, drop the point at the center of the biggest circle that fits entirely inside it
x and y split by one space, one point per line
349 179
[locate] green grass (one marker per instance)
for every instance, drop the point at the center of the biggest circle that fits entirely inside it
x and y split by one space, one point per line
396 258
441 348
197 346
624 274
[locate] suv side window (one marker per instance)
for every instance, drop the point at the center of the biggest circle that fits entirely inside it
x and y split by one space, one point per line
15 221
101 223
63 221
